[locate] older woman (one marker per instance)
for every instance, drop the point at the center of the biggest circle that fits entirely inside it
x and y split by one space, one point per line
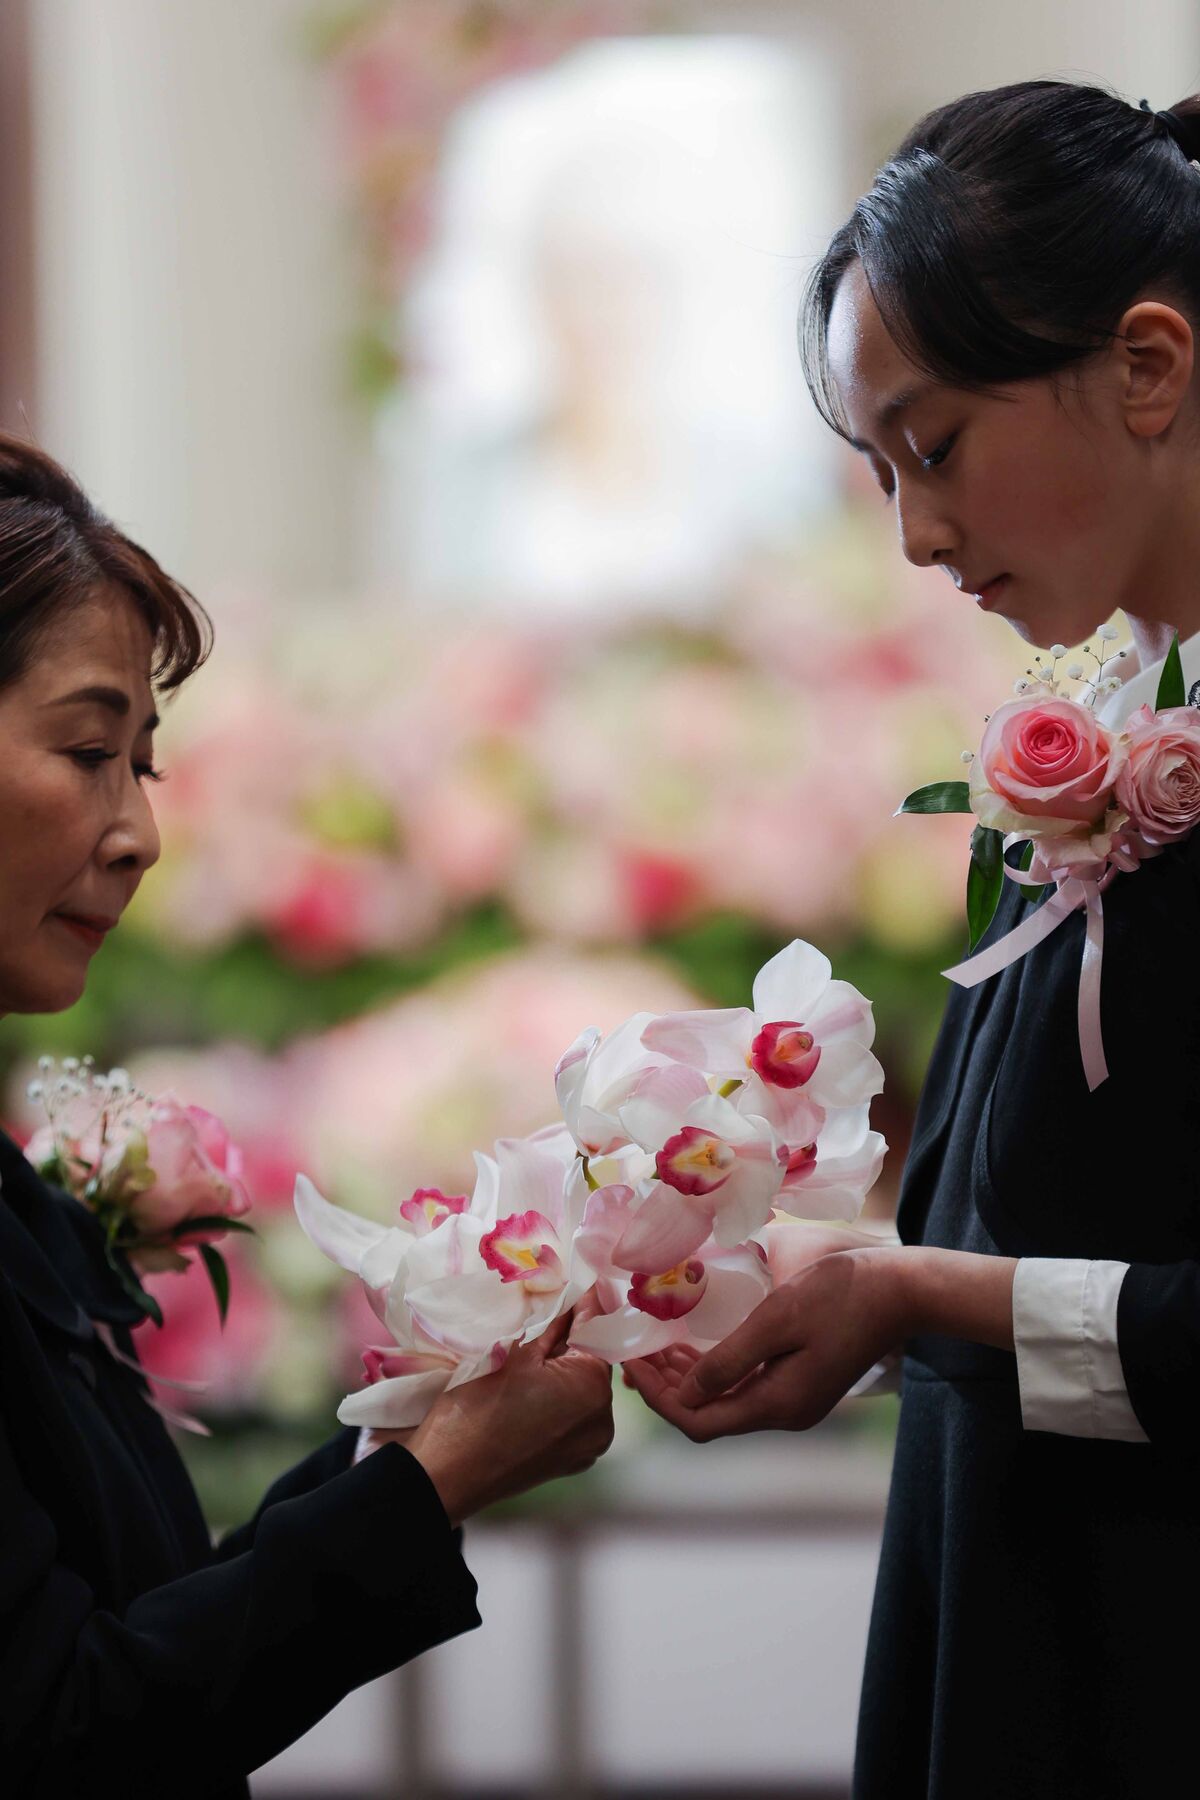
133 1657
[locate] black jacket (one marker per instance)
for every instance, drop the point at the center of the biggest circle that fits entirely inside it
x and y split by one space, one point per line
1053 1170
135 1659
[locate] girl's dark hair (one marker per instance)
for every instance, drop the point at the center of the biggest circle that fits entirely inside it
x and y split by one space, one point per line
57 551
1010 231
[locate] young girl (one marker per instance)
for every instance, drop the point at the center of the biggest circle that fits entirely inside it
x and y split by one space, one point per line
1005 328
135 1659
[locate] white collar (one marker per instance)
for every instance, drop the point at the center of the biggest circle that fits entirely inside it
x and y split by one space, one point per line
1142 688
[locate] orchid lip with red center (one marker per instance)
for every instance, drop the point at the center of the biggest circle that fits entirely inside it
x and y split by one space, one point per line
785 1054
524 1248
695 1161
671 1294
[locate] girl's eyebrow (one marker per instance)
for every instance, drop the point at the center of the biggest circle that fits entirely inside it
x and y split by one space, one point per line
891 409
109 697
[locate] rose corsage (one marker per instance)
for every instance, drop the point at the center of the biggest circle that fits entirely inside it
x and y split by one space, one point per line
163 1179
1085 803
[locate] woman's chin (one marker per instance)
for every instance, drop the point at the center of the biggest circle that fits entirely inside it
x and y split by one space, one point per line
41 990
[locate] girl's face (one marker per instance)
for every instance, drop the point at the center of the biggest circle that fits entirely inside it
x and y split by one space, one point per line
75 820
1046 486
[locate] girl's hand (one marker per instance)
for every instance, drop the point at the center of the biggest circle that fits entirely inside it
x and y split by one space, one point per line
807 1343
546 1413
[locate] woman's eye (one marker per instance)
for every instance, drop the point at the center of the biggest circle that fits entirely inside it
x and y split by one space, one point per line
938 456
92 759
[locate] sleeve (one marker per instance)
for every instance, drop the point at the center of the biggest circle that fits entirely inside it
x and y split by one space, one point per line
1158 1331
212 1674
1065 1337
331 1458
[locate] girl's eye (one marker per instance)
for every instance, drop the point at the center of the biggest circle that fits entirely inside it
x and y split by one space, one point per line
92 759
938 456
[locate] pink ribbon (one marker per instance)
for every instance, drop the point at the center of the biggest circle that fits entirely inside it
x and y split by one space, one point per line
183 1420
1073 892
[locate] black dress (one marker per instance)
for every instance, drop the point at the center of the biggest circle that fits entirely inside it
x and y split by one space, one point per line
1031 1633
134 1659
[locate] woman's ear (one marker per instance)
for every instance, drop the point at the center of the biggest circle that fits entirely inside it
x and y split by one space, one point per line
1155 351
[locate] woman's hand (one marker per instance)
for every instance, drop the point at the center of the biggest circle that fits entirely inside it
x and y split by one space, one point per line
811 1339
546 1413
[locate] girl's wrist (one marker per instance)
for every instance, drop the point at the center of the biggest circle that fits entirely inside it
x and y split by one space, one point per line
951 1293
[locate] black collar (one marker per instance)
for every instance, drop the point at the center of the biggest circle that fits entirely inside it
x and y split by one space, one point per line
52 1251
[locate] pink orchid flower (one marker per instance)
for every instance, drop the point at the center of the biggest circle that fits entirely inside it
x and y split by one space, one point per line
699 1300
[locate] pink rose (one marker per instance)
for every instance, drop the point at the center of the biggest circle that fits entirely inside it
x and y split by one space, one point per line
1159 786
191 1170
1044 763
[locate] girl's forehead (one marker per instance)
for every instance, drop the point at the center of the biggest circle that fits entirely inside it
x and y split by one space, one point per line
867 365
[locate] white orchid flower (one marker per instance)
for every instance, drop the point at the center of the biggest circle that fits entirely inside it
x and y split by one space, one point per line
801 1050
595 1078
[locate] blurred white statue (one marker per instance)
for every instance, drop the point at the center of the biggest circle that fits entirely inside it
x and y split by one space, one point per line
607 408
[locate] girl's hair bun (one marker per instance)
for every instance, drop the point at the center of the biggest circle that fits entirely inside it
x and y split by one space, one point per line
1011 230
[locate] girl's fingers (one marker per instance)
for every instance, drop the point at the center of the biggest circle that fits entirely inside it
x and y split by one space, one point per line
766 1333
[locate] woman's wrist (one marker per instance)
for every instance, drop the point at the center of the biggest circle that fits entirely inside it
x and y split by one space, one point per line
951 1293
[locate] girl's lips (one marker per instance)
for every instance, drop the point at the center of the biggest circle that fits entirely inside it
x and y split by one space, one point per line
988 595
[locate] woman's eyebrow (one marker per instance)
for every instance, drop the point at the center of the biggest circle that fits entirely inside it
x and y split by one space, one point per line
891 409
109 697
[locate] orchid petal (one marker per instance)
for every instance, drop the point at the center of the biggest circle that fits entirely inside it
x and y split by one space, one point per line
606 1217
621 1335
344 1237
381 1262
735 1288
662 1101
396 1404
743 1204
843 1012
668 1228
468 1311
847 1074
791 985
715 1041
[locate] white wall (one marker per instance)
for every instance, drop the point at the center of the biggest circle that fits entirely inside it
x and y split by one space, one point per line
192 282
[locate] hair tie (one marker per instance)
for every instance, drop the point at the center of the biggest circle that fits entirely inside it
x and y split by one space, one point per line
1184 131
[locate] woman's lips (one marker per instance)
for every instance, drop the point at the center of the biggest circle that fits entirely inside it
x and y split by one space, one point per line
987 596
92 932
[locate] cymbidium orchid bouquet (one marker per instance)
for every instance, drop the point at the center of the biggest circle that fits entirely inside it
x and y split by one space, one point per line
1083 801
163 1179
686 1139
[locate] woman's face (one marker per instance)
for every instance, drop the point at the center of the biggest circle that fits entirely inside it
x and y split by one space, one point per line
1045 486
75 820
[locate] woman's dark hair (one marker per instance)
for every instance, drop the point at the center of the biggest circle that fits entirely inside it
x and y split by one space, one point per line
57 551
1010 231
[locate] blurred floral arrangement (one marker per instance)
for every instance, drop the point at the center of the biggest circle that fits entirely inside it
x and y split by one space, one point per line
400 70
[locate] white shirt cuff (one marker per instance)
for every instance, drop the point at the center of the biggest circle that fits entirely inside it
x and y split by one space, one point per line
1065 1336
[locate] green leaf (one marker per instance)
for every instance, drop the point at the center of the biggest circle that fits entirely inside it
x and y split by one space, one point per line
132 1285
209 1222
218 1274
1171 690
985 880
939 797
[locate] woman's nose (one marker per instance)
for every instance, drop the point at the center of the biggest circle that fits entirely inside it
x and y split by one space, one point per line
132 841
926 537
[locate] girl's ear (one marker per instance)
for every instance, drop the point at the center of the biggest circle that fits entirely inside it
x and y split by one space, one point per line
1155 349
